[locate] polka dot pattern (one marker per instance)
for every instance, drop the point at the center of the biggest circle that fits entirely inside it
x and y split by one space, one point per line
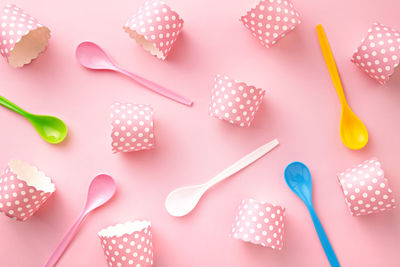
132 127
130 249
235 102
271 20
156 27
365 189
15 24
259 223
18 200
379 52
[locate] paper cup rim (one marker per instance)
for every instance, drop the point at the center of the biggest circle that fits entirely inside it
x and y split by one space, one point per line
257 244
226 77
121 229
34 178
356 167
38 53
252 200
145 43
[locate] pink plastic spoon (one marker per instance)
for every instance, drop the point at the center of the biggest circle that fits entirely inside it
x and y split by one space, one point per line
91 56
101 189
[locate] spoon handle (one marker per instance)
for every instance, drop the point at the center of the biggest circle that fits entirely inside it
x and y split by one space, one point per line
330 254
157 88
8 104
243 162
330 63
59 250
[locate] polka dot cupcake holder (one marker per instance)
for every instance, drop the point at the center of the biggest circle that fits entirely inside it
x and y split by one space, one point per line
132 127
155 27
22 37
259 223
235 102
271 20
365 189
128 244
379 52
23 190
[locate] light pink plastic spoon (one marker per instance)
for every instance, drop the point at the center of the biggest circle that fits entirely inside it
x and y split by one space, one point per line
92 56
101 189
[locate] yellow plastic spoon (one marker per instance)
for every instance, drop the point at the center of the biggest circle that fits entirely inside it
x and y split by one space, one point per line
353 132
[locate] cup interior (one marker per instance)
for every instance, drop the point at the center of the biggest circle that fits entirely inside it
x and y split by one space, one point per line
32 176
29 47
125 228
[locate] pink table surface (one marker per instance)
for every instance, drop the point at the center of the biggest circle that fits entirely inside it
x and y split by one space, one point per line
300 108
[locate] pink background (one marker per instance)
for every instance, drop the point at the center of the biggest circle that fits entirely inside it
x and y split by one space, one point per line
300 108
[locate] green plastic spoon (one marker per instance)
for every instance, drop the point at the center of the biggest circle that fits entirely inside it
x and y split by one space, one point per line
51 129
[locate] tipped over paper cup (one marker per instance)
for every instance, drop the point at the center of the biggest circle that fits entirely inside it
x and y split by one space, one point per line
132 127
234 101
22 37
23 190
259 223
128 244
155 27
379 53
365 188
271 20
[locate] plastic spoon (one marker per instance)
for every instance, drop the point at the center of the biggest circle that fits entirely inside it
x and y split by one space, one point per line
92 56
298 178
183 200
51 129
101 189
353 132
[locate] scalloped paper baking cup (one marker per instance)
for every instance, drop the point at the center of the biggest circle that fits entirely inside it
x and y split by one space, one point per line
22 37
155 27
131 127
128 244
23 190
259 223
365 188
271 20
379 53
233 101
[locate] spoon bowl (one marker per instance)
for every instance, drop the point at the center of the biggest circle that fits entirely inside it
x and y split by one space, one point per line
353 132
298 178
92 56
183 200
101 190
51 129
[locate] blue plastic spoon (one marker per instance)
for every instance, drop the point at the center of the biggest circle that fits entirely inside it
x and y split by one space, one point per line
298 178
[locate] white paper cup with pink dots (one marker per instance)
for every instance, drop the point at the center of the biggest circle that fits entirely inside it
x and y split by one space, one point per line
128 244
271 20
259 223
22 37
131 127
155 27
365 189
23 190
235 102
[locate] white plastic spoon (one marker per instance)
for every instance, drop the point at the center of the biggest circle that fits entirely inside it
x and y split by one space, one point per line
183 200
